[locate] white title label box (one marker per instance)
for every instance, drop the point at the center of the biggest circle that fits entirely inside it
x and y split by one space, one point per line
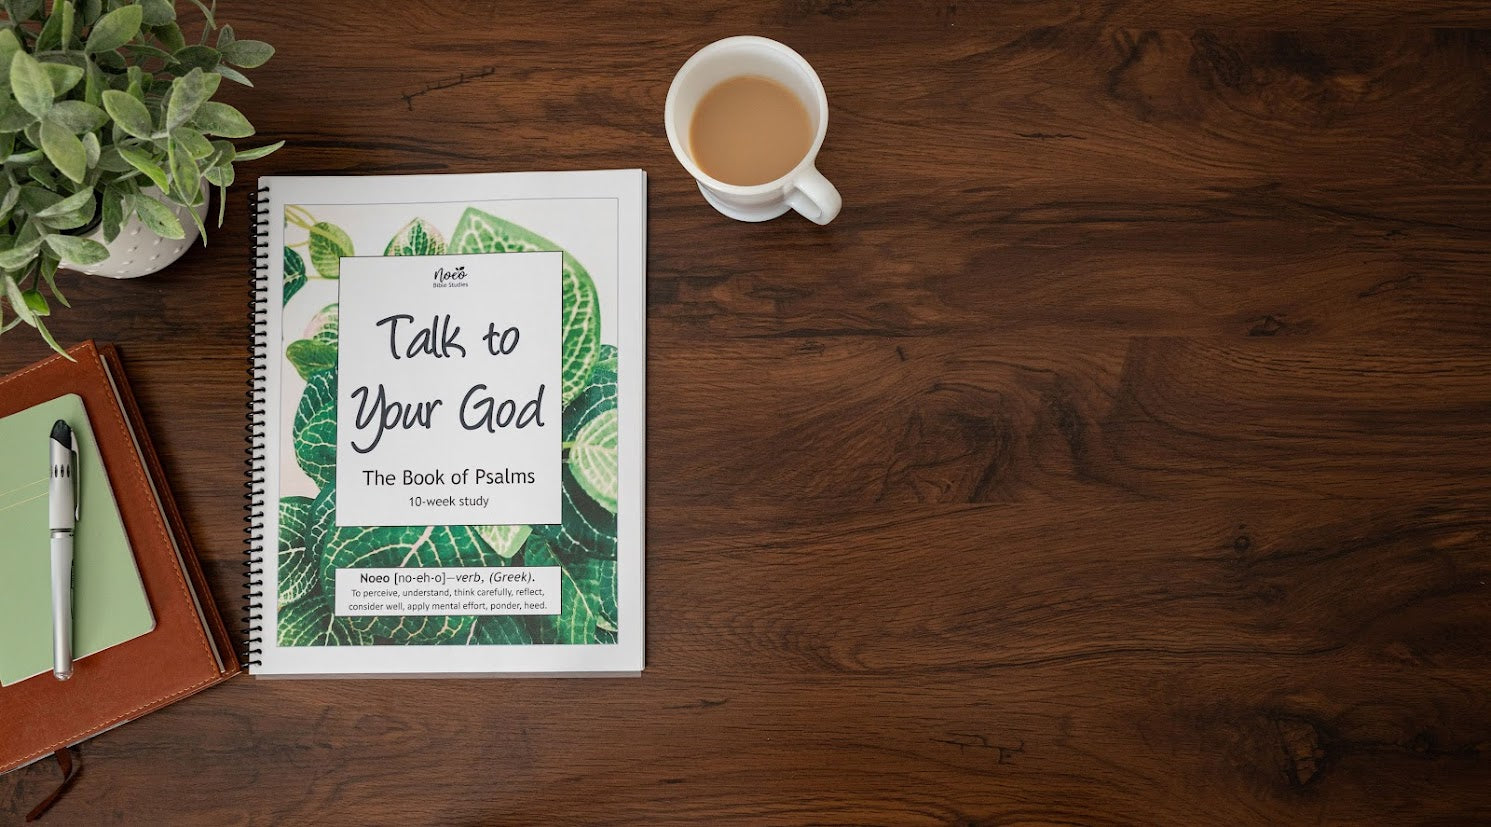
448 397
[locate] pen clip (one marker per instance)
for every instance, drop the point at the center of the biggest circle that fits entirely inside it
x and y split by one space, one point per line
77 485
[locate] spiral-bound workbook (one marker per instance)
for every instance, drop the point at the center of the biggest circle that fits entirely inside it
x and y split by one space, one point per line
446 425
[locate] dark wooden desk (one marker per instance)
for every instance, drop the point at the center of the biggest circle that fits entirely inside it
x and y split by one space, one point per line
1123 452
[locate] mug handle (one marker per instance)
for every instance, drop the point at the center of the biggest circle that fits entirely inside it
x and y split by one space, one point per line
814 197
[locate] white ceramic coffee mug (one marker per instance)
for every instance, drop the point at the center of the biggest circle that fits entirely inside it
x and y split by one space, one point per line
803 189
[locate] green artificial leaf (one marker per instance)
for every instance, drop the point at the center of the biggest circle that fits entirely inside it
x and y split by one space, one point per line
159 217
115 29
46 336
91 11
205 58
8 202
294 273
70 213
310 622
311 356
69 14
216 118
34 200
315 428
18 300
64 150
592 458
257 152
30 84
113 212
24 159
221 176
499 630
141 160
186 176
225 36
417 238
193 142
43 174
136 82
232 74
14 118
9 45
328 245
110 160
94 85
19 254
37 302
351 547
91 150
158 12
62 77
139 52
188 93
77 117
480 232
207 12
506 540
170 36
50 36
23 9
129 113
587 597
247 54
113 61
77 250
71 204
299 574
48 270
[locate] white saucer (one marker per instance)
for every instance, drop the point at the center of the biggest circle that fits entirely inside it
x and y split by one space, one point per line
744 213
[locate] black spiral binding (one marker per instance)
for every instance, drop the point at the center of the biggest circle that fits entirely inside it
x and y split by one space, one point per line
253 575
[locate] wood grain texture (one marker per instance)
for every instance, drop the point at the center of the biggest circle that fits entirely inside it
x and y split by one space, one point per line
1122 454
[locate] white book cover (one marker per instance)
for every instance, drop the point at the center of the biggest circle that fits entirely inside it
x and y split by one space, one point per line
448 422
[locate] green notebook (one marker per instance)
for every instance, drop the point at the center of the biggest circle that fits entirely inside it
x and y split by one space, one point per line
109 604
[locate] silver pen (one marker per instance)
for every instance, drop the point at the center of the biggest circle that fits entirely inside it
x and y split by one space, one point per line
62 495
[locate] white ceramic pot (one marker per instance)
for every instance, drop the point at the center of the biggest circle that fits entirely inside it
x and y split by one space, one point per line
137 250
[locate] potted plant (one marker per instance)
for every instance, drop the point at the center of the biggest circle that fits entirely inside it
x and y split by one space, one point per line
107 123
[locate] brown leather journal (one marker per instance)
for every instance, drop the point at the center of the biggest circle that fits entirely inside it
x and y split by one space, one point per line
189 649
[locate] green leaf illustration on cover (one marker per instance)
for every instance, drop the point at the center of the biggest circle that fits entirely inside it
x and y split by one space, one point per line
479 232
298 570
588 527
592 458
506 540
583 546
294 274
418 238
328 244
310 622
315 428
310 356
499 630
414 628
587 590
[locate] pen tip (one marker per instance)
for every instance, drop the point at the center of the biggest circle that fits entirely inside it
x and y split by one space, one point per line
61 432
